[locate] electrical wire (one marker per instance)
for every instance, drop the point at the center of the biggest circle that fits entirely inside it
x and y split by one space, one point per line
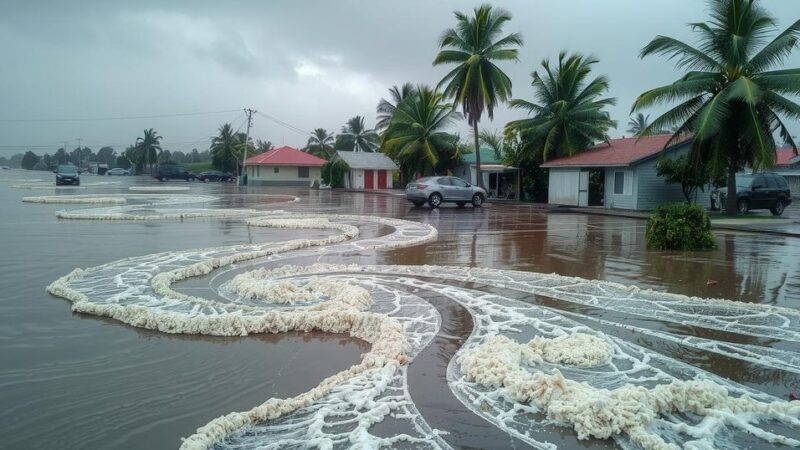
97 119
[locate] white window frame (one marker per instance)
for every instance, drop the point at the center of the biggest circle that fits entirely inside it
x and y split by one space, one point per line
627 182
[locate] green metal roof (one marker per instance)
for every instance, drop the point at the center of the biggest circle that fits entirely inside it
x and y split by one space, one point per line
488 156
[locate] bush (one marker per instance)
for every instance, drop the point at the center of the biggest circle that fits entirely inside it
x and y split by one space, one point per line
679 226
333 173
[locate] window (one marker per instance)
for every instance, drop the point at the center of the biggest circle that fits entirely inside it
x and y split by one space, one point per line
760 183
302 172
619 183
444 181
458 182
276 170
258 171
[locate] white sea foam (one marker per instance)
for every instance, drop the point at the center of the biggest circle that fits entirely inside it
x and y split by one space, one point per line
599 385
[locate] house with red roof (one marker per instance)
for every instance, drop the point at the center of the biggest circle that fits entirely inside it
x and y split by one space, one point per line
620 174
283 166
787 164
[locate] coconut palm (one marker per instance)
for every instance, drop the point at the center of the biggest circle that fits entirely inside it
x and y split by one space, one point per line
732 97
476 83
570 114
416 136
355 136
225 147
148 147
638 123
263 146
320 144
386 108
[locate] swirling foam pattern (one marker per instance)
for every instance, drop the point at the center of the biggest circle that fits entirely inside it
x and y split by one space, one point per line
528 367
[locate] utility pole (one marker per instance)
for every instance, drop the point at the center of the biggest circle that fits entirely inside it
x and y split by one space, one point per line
79 153
249 113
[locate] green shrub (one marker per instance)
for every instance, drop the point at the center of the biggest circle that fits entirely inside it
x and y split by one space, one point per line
333 173
679 226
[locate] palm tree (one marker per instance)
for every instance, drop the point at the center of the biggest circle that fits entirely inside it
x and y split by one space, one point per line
148 148
416 136
357 137
386 108
569 115
320 144
732 97
224 149
638 123
476 83
263 146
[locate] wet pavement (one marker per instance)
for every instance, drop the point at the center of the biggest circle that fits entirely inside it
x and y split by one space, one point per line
74 381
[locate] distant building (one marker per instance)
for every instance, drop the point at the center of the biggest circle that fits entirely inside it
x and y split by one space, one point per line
618 174
283 166
787 164
367 170
500 181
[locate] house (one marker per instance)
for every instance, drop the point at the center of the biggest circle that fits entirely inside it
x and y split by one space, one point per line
367 170
283 166
620 174
787 164
500 181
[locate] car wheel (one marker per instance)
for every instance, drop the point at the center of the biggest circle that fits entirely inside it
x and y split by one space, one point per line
777 210
477 200
461 204
743 206
418 203
435 200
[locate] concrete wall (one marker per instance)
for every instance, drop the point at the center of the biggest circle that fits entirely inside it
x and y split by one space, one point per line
563 186
285 175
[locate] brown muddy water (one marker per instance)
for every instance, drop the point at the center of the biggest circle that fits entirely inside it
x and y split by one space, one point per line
74 381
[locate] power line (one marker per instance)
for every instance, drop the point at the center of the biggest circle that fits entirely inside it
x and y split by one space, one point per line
284 124
96 119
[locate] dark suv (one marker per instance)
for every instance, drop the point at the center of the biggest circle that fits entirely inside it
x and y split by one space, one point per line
757 191
67 174
166 172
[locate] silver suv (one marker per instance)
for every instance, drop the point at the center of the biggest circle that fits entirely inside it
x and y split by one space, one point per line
435 190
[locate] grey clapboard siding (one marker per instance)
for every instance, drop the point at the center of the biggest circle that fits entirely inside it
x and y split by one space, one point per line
620 201
653 191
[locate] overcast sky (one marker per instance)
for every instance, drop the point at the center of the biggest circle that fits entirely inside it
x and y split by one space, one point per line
309 64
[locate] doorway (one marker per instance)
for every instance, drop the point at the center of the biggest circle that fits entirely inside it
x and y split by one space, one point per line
597 183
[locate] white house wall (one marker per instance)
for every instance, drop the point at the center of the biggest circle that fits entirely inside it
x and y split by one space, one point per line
285 176
356 177
563 187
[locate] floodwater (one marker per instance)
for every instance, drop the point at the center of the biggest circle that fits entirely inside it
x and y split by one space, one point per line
75 381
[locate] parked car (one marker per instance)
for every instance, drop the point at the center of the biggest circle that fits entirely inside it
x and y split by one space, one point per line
5 168
436 190
118 171
214 175
67 174
166 172
757 191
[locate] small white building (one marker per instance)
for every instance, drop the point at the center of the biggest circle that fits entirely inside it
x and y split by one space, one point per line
500 181
620 173
367 170
283 166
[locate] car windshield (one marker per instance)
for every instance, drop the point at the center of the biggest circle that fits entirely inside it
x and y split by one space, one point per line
744 181
66 169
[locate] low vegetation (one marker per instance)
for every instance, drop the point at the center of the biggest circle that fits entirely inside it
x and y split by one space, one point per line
333 173
679 226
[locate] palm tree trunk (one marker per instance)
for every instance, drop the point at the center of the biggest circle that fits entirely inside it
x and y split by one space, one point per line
478 174
730 201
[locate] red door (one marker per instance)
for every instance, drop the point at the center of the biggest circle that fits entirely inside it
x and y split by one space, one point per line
381 179
369 180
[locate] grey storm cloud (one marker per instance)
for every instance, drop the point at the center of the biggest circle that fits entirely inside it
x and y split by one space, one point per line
308 63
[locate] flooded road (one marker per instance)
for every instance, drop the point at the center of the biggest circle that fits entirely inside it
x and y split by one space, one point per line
77 381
